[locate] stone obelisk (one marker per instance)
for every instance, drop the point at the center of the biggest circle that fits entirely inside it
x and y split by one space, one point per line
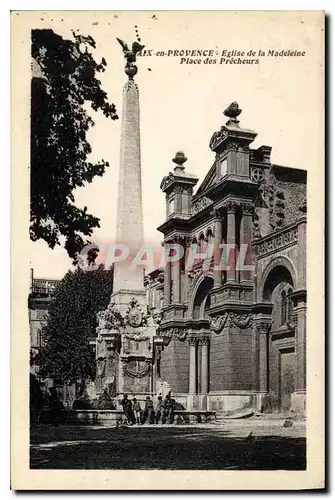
128 279
126 343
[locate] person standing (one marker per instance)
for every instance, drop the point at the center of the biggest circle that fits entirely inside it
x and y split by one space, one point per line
168 409
159 409
57 407
148 415
137 410
127 409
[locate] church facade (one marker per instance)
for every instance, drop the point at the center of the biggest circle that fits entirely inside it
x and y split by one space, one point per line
234 336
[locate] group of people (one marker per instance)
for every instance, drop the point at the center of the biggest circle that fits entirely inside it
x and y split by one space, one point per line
162 412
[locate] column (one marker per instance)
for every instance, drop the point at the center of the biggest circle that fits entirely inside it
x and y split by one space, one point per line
167 278
231 240
245 239
192 373
263 330
299 320
176 281
176 278
301 263
122 368
204 342
217 250
300 332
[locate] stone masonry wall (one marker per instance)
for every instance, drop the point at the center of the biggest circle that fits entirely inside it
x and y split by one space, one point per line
231 361
175 362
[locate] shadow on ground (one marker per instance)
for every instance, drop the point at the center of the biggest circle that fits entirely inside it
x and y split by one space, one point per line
73 447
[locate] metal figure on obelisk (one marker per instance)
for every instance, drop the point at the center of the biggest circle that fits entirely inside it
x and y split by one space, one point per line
130 56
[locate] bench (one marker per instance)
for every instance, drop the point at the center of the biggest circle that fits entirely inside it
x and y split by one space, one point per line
77 416
200 415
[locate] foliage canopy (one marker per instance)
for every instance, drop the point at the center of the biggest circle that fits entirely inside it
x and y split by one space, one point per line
67 355
66 82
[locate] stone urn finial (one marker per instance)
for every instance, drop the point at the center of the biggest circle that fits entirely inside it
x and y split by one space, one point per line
179 159
232 112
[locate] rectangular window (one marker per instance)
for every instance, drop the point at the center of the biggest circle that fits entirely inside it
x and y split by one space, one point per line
224 167
171 206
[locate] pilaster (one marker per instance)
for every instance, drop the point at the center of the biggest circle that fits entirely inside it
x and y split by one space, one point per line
192 370
204 344
263 327
217 249
231 241
246 229
299 298
167 278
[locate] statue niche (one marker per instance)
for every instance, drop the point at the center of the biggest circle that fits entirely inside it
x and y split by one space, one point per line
106 365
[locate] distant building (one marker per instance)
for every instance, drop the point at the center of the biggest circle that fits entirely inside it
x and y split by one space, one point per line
42 291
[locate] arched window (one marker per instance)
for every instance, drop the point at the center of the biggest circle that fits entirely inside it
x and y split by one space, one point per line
202 243
283 308
289 304
209 236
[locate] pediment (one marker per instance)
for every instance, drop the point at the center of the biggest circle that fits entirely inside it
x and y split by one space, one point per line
209 180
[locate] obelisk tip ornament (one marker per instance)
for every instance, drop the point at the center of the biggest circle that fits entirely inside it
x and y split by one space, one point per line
130 56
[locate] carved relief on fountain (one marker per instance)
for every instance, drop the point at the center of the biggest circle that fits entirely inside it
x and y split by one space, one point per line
129 337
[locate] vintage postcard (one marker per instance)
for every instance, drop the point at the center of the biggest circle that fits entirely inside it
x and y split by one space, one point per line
167 250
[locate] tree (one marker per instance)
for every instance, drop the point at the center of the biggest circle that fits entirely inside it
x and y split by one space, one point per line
67 355
65 82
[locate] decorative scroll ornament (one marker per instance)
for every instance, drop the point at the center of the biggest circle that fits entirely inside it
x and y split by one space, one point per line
134 315
201 204
181 334
218 323
232 206
264 327
231 319
240 320
167 180
137 336
247 208
142 369
178 333
217 137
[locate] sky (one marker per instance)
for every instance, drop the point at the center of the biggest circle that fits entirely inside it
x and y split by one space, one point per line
181 105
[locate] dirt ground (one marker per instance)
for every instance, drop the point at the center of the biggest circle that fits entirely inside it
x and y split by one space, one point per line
229 445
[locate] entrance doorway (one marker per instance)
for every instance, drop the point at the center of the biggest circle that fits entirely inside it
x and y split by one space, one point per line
287 376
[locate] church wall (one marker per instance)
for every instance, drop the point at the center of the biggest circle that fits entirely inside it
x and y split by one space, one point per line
220 362
294 194
231 361
242 355
175 361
